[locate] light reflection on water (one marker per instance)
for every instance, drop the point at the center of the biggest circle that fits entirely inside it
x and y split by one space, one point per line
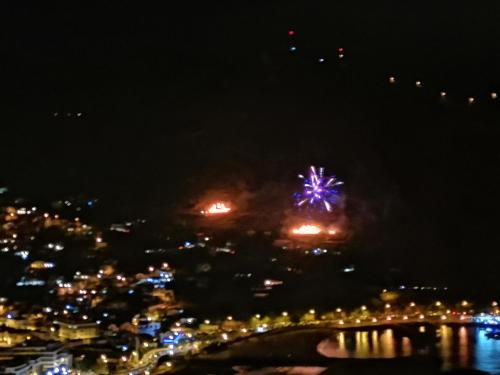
458 346
365 344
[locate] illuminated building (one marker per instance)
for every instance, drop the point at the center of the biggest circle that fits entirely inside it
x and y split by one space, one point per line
50 359
78 331
148 327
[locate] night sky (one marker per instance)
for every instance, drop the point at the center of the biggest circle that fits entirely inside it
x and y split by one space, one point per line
190 97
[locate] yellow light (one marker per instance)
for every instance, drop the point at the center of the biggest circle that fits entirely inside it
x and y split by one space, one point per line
494 303
341 322
392 79
412 304
471 100
358 321
311 311
443 317
229 318
494 95
421 316
257 316
374 320
363 308
284 313
405 317
443 94
307 229
438 303
338 309
206 321
388 318
387 305
217 208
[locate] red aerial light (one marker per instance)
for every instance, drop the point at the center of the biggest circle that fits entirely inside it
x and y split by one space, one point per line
291 32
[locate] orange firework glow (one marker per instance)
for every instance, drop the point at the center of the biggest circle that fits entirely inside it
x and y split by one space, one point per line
217 208
332 231
307 230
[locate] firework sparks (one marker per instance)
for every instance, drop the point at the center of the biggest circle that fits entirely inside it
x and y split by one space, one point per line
320 191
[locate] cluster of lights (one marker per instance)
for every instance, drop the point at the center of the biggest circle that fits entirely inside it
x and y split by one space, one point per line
443 94
471 100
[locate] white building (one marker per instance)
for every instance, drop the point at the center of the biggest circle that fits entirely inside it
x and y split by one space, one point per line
50 360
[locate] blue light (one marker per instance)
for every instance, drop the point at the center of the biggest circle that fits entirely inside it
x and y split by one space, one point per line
90 203
131 291
487 319
173 338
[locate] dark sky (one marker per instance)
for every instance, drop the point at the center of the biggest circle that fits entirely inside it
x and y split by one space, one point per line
189 97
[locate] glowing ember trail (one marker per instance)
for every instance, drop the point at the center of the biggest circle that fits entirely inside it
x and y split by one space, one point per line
217 209
307 230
